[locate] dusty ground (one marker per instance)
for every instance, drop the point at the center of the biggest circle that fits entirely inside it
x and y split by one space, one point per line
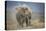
13 25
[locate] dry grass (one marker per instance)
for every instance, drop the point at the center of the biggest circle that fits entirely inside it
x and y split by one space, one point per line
34 24
37 24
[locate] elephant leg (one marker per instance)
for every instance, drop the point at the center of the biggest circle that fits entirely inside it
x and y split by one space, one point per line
26 22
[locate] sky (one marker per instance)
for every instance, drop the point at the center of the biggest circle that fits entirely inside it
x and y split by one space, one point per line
38 7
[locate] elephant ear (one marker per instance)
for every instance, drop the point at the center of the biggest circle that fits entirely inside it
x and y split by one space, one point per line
30 10
17 9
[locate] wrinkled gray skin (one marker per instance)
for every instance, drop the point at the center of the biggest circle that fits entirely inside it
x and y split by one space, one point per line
23 18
